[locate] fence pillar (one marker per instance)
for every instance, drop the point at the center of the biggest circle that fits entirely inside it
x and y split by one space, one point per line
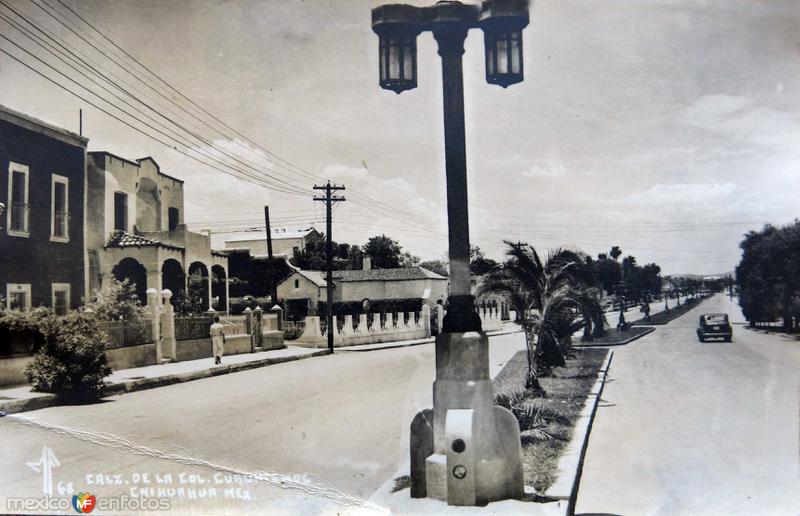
153 310
335 328
362 323
277 311
256 337
169 348
248 320
347 329
426 320
389 325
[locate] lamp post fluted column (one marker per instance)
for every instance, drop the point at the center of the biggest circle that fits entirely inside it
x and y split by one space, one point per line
461 315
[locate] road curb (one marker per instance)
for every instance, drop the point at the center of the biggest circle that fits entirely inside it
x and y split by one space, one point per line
648 331
570 465
50 400
642 322
378 347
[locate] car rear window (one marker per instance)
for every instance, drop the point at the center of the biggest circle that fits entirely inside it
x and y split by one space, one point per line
716 319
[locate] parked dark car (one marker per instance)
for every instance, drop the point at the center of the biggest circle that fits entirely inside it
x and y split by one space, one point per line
714 326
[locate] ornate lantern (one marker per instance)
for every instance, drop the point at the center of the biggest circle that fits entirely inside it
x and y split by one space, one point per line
397 28
502 22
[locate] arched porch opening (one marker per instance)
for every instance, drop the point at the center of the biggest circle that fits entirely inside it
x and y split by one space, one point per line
174 279
219 280
198 287
134 272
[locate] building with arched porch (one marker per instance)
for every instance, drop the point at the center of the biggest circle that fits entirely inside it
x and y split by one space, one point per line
135 231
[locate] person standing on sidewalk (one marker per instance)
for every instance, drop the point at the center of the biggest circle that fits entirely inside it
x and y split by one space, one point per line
217 340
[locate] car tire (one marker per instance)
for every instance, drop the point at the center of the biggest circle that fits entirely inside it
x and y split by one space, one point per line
701 338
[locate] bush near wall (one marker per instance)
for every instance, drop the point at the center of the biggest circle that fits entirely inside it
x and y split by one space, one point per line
238 304
341 308
25 332
72 362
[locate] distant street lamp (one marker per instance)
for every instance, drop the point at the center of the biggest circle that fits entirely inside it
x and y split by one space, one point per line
464 429
621 300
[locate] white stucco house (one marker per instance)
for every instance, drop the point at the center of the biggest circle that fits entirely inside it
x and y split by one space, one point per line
286 242
307 288
136 231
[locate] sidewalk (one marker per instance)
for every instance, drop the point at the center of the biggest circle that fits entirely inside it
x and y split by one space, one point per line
20 398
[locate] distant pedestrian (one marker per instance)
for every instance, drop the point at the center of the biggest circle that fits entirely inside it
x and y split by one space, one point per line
217 340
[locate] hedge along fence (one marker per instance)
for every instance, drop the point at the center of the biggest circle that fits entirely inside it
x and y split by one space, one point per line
25 332
381 306
238 304
193 328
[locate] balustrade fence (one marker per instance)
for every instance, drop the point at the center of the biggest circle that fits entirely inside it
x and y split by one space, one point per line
123 334
192 328
293 329
234 324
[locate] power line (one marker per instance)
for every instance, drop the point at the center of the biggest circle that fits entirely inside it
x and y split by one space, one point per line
371 201
278 185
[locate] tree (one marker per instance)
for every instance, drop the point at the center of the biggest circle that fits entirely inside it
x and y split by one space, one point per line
551 299
117 300
385 252
768 275
628 264
409 260
615 252
478 263
437 266
608 273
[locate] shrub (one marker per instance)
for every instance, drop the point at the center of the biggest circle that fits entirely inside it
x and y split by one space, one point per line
117 301
25 332
509 399
238 304
72 362
536 415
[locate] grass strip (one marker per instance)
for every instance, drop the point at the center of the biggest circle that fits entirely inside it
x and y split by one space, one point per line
547 422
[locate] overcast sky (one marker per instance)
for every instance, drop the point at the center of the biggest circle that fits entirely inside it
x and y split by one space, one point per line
669 128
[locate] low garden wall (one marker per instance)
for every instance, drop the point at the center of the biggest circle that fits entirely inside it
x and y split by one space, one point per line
192 349
396 327
131 356
12 369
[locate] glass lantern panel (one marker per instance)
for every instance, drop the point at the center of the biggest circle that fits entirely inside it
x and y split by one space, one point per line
408 58
489 61
382 58
502 54
394 59
516 56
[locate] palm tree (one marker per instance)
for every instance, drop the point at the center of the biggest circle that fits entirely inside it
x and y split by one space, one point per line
552 301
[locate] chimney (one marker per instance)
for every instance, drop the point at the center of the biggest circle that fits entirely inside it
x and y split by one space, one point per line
366 263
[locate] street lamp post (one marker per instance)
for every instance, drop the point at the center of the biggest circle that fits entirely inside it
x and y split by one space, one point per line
621 324
465 450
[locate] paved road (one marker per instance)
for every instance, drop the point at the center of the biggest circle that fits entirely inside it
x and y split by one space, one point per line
343 419
697 429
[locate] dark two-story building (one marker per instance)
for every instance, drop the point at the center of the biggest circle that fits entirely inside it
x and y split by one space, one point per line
42 189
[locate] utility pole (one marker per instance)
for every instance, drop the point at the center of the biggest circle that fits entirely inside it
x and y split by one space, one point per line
273 289
329 200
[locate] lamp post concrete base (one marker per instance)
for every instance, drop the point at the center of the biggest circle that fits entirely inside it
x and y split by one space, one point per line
466 450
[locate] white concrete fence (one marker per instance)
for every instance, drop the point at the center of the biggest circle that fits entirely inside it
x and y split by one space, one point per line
397 326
